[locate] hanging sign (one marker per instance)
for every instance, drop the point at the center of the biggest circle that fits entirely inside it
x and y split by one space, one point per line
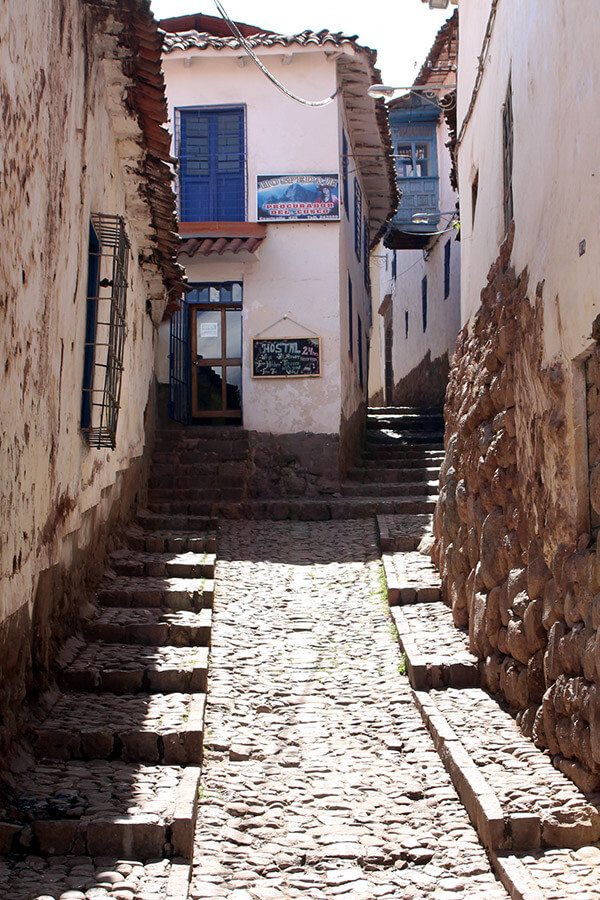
298 198
286 357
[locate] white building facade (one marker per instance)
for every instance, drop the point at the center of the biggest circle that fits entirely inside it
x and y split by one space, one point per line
416 269
260 276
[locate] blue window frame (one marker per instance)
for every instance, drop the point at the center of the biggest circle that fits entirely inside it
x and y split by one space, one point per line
366 254
406 324
424 302
447 252
350 320
212 165
345 174
357 219
394 265
359 344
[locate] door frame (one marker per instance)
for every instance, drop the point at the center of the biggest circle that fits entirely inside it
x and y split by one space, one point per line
223 361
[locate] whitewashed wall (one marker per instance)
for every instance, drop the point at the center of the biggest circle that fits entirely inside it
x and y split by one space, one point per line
60 164
550 50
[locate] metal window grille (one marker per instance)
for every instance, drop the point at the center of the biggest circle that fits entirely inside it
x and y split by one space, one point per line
507 153
357 219
424 302
105 330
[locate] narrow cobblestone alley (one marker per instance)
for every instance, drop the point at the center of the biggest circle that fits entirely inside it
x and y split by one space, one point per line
320 779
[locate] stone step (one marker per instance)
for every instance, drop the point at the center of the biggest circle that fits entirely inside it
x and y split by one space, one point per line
424 411
395 443
174 593
437 654
388 489
174 476
116 625
393 475
513 794
405 533
164 541
151 520
24 877
211 490
189 510
417 424
189 433
404 456
551 874
157 565
129 669
323 510
411 578
201 453
101 808
399 460
148 728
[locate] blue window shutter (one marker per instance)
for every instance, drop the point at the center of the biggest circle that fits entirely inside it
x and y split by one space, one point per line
350 320
357 219
447 251
366 254
345 174
424 302
359 340
212 165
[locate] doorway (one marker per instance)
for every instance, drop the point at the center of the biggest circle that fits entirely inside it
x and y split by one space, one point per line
216 351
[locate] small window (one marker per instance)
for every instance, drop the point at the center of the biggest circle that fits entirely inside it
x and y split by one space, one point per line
447 253
367 277
394 265
359 344
507 154
474 194
406 324
350 320
345 173
357 219
424 302
108 258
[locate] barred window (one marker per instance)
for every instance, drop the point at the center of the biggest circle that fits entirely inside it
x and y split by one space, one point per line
357 219
108 258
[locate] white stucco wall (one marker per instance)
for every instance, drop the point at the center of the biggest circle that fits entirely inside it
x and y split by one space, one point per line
443 313
300 268
550 49
59 165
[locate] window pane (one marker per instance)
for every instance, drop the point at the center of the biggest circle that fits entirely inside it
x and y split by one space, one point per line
234 387
236 292
234 334
422 160
209 382
404 161
208 333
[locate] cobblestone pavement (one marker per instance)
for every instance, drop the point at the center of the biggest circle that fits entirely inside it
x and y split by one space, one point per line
320 779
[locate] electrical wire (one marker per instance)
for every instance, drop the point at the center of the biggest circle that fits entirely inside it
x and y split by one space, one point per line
249 50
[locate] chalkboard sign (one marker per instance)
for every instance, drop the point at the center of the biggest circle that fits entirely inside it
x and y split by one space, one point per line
286 357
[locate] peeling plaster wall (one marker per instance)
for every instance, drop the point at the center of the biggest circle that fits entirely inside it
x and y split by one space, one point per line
60 162
514 539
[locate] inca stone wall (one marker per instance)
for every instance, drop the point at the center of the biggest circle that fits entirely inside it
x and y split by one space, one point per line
518 563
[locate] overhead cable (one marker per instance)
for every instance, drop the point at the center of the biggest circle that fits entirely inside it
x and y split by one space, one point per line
250 51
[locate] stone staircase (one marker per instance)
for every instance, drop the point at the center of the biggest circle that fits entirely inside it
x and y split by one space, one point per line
109 777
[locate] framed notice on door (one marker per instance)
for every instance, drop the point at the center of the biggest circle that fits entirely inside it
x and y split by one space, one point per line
286 357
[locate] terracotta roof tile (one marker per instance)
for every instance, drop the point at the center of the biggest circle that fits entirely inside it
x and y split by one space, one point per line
184 40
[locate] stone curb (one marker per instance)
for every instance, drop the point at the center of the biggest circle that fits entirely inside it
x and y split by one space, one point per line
178 884
399 593
427 672
515 877
514 831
